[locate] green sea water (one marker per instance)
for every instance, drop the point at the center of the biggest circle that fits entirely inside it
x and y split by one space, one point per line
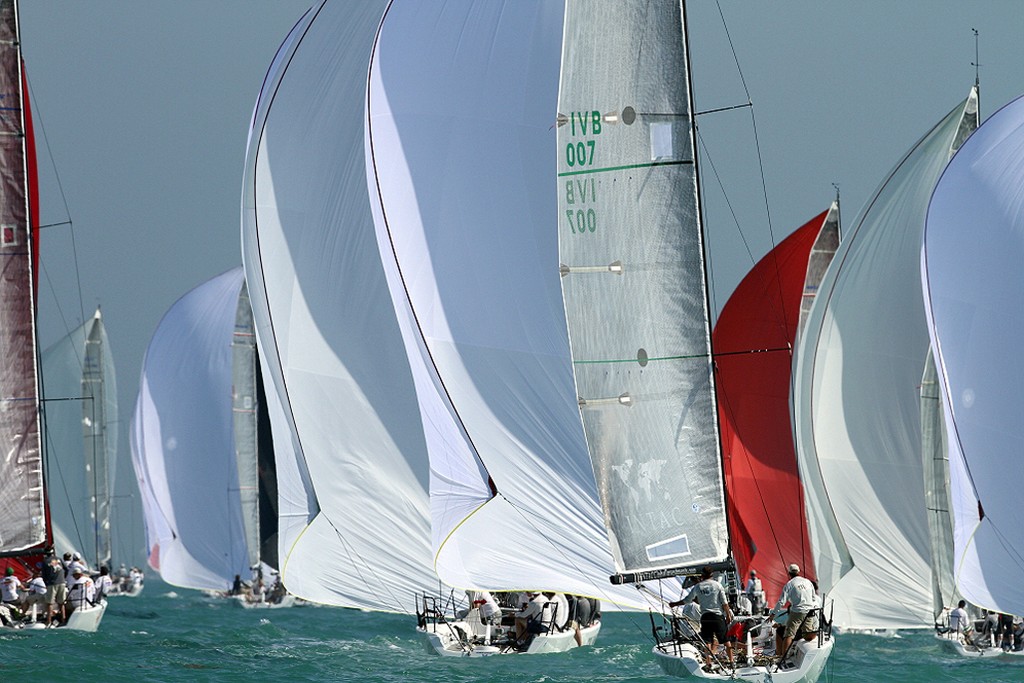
170 634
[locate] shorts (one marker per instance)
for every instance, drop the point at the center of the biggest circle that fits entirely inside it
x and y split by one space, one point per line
56 594
800 622
712 625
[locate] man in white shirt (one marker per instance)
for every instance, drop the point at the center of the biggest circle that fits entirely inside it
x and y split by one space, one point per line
959 622
528 619
83 590
9 587
798 593
36 591
104 584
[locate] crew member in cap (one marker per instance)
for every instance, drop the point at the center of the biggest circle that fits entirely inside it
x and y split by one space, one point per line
798 593
82 592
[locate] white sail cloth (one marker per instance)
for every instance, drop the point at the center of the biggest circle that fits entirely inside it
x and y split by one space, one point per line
856 376
351 458
974 292
460 159
183 441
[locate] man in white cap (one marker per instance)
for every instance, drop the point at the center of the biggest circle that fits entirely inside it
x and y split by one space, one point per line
798 593
83 591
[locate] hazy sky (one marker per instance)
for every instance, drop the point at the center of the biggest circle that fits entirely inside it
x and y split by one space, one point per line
144 106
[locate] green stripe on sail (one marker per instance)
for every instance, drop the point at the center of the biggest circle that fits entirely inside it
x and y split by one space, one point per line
683 162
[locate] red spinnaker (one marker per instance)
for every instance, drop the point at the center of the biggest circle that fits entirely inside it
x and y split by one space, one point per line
753 341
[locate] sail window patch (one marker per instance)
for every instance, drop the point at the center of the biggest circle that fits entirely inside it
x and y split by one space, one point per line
661 141
9 234
678 546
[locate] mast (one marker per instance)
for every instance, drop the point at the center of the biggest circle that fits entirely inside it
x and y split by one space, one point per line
707 256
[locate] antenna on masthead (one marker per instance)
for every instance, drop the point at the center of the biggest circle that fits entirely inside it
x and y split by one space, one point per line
976 63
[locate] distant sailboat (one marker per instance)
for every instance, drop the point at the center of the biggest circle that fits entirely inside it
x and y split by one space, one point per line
971 277
26 531
856 406
351 459
192 461
80 420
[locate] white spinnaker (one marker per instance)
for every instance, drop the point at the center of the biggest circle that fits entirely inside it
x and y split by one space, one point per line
974 292
857 373
352 475
460 154
183 440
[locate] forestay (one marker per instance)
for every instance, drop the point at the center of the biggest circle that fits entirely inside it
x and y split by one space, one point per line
857 417
351 459
975 298
183 443
460 138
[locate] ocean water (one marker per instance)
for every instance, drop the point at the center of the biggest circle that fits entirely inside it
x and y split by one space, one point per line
170 634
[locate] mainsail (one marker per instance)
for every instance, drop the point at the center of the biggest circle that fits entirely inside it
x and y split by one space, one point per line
634 282
349 447
24 517
460 133
858 368
974 297
81 418
183 441
754 339
935 455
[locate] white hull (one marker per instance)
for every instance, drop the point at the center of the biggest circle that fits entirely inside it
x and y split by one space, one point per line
82 619
130 593
803 667
286 601
958 645
444 639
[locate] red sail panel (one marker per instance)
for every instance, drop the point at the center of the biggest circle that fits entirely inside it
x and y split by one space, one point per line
753 341
23 523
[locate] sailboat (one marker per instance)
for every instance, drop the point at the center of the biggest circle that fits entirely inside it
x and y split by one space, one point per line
962 638
460 137
195 444
26 532
354 528
636 300
856 401
80 421
971 281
